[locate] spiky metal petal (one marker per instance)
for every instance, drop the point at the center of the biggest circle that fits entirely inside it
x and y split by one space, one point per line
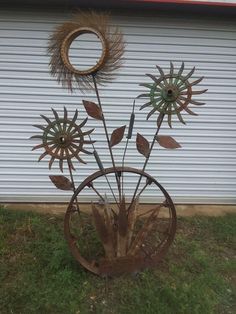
110 60
171 93
63 139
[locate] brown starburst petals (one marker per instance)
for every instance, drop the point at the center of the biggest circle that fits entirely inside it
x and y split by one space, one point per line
109 61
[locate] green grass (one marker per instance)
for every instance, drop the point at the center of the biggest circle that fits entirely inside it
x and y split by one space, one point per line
38 274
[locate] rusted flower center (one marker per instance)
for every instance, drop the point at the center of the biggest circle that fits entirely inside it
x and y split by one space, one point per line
170 93
63 140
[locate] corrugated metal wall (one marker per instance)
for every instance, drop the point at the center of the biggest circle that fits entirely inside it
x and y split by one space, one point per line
203 171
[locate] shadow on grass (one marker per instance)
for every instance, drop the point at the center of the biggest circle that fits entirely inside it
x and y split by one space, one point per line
38 274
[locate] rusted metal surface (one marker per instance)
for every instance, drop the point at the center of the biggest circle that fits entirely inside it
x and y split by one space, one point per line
93 110
171 93
167 142
127 241
117 135
109 62
144 244
63 139
142 145
61 182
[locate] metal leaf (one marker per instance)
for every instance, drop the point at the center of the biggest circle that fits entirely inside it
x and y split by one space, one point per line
142 145
122 222
93 110
117 135
167 142
61 182
100 225
122 219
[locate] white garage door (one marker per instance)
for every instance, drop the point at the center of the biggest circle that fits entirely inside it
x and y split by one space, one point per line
202 171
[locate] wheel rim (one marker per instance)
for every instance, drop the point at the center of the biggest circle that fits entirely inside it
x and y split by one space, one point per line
129 262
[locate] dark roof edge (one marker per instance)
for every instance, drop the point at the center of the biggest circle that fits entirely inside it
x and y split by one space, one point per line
171 7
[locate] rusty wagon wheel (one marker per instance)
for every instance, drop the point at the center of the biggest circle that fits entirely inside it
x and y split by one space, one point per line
146 241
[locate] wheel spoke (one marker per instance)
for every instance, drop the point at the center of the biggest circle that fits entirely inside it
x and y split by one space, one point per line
150 232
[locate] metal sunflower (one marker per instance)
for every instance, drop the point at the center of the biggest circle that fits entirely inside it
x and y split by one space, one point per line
109 61
171 93
63 139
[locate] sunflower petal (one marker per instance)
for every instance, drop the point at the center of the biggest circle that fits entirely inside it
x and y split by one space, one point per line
147 85
43 155
178 114
65 113
151 113
179 73
190 111
161 71
189 74
196 103
143 95
41 137
51 162
145 105
38 146
65 119
61 164
171 72
156 80
39 127
88 132
89 142
86 151
169 120
55 114
80 159
75 117
83 123
46 119
198 92
181 69
196 81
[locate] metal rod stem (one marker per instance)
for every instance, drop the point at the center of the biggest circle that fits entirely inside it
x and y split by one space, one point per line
129 135
107 137
123 161
96 191
112 192
160 120
73 186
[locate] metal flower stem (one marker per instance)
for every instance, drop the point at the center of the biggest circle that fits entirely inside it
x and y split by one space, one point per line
107 137
73 186
109 184
129 135
159 123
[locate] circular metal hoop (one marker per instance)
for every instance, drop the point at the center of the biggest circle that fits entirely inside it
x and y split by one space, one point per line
128 263
66 46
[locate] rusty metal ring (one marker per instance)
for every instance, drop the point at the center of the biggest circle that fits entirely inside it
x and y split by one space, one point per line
66 46
141 264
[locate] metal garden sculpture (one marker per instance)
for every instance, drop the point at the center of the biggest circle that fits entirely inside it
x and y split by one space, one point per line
128 238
